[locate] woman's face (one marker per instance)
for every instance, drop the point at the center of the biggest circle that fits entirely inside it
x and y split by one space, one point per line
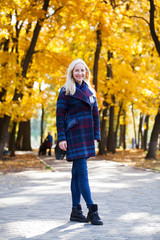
79 73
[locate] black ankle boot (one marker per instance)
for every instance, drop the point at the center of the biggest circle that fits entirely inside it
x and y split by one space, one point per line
93 216
77 215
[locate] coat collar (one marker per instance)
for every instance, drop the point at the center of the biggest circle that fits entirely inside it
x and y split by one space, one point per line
83 95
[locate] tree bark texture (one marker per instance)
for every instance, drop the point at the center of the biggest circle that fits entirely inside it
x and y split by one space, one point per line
146 132
154 138
4 122
111 133
111 137
109 66
4 134
121 136
118 119
12 139
140 131
42 125
122 139
102 143
96 58
154 135
23 139
152 26
124 132
134 126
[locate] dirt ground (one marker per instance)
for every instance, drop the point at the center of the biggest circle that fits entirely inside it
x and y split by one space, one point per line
20 162
28 161
133 157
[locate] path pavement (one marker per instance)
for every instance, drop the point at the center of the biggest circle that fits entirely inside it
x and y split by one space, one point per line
36 205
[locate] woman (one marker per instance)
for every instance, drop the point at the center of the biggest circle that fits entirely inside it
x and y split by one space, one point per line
77 128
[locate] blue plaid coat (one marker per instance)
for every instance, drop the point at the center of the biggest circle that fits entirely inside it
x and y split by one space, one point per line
78 122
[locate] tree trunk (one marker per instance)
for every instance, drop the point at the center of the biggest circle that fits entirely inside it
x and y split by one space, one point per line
23 140
111 137
4 122
4 134
156 128
12 140
109 66
117 126
124 132
146 123
19 138
139 130
5 125
26 144
121 136
6 119
102 143
42 125
142 131
96 58
34 40
122 139
154 138
27 136
134 126
111 134
152 27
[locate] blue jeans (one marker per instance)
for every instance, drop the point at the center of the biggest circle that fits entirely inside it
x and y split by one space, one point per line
80 183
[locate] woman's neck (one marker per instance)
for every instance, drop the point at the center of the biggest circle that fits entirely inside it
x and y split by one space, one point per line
80 83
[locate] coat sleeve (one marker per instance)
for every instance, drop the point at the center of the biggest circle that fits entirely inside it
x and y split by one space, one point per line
96 121
60 116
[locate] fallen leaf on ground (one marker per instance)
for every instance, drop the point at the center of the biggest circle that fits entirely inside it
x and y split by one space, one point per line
20 163
134 158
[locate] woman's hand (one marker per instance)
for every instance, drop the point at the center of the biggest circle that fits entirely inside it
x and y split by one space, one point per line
63 145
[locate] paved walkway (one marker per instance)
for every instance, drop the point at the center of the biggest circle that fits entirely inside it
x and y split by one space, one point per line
36 205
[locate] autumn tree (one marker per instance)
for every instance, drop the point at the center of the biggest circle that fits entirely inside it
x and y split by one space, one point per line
134 61
148 14
40 39
156 128
22 65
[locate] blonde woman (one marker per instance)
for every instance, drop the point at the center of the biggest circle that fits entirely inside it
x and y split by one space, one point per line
78 127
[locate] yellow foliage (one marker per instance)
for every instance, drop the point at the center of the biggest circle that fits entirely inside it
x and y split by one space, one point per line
69 32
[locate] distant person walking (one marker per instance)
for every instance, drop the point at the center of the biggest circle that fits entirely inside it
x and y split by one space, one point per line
78 127
49 142
133 143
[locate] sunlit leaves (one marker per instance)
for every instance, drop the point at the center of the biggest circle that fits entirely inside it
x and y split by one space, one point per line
69 32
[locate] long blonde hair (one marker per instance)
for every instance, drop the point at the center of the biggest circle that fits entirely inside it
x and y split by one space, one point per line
70 85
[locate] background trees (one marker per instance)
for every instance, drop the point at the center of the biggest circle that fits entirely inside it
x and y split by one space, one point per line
118 40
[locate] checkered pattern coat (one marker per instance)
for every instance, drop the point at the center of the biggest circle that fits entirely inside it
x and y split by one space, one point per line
78 123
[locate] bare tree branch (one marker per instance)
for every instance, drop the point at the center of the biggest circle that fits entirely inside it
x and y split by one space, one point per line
113 3
34 40
134 16
55 12
152 26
